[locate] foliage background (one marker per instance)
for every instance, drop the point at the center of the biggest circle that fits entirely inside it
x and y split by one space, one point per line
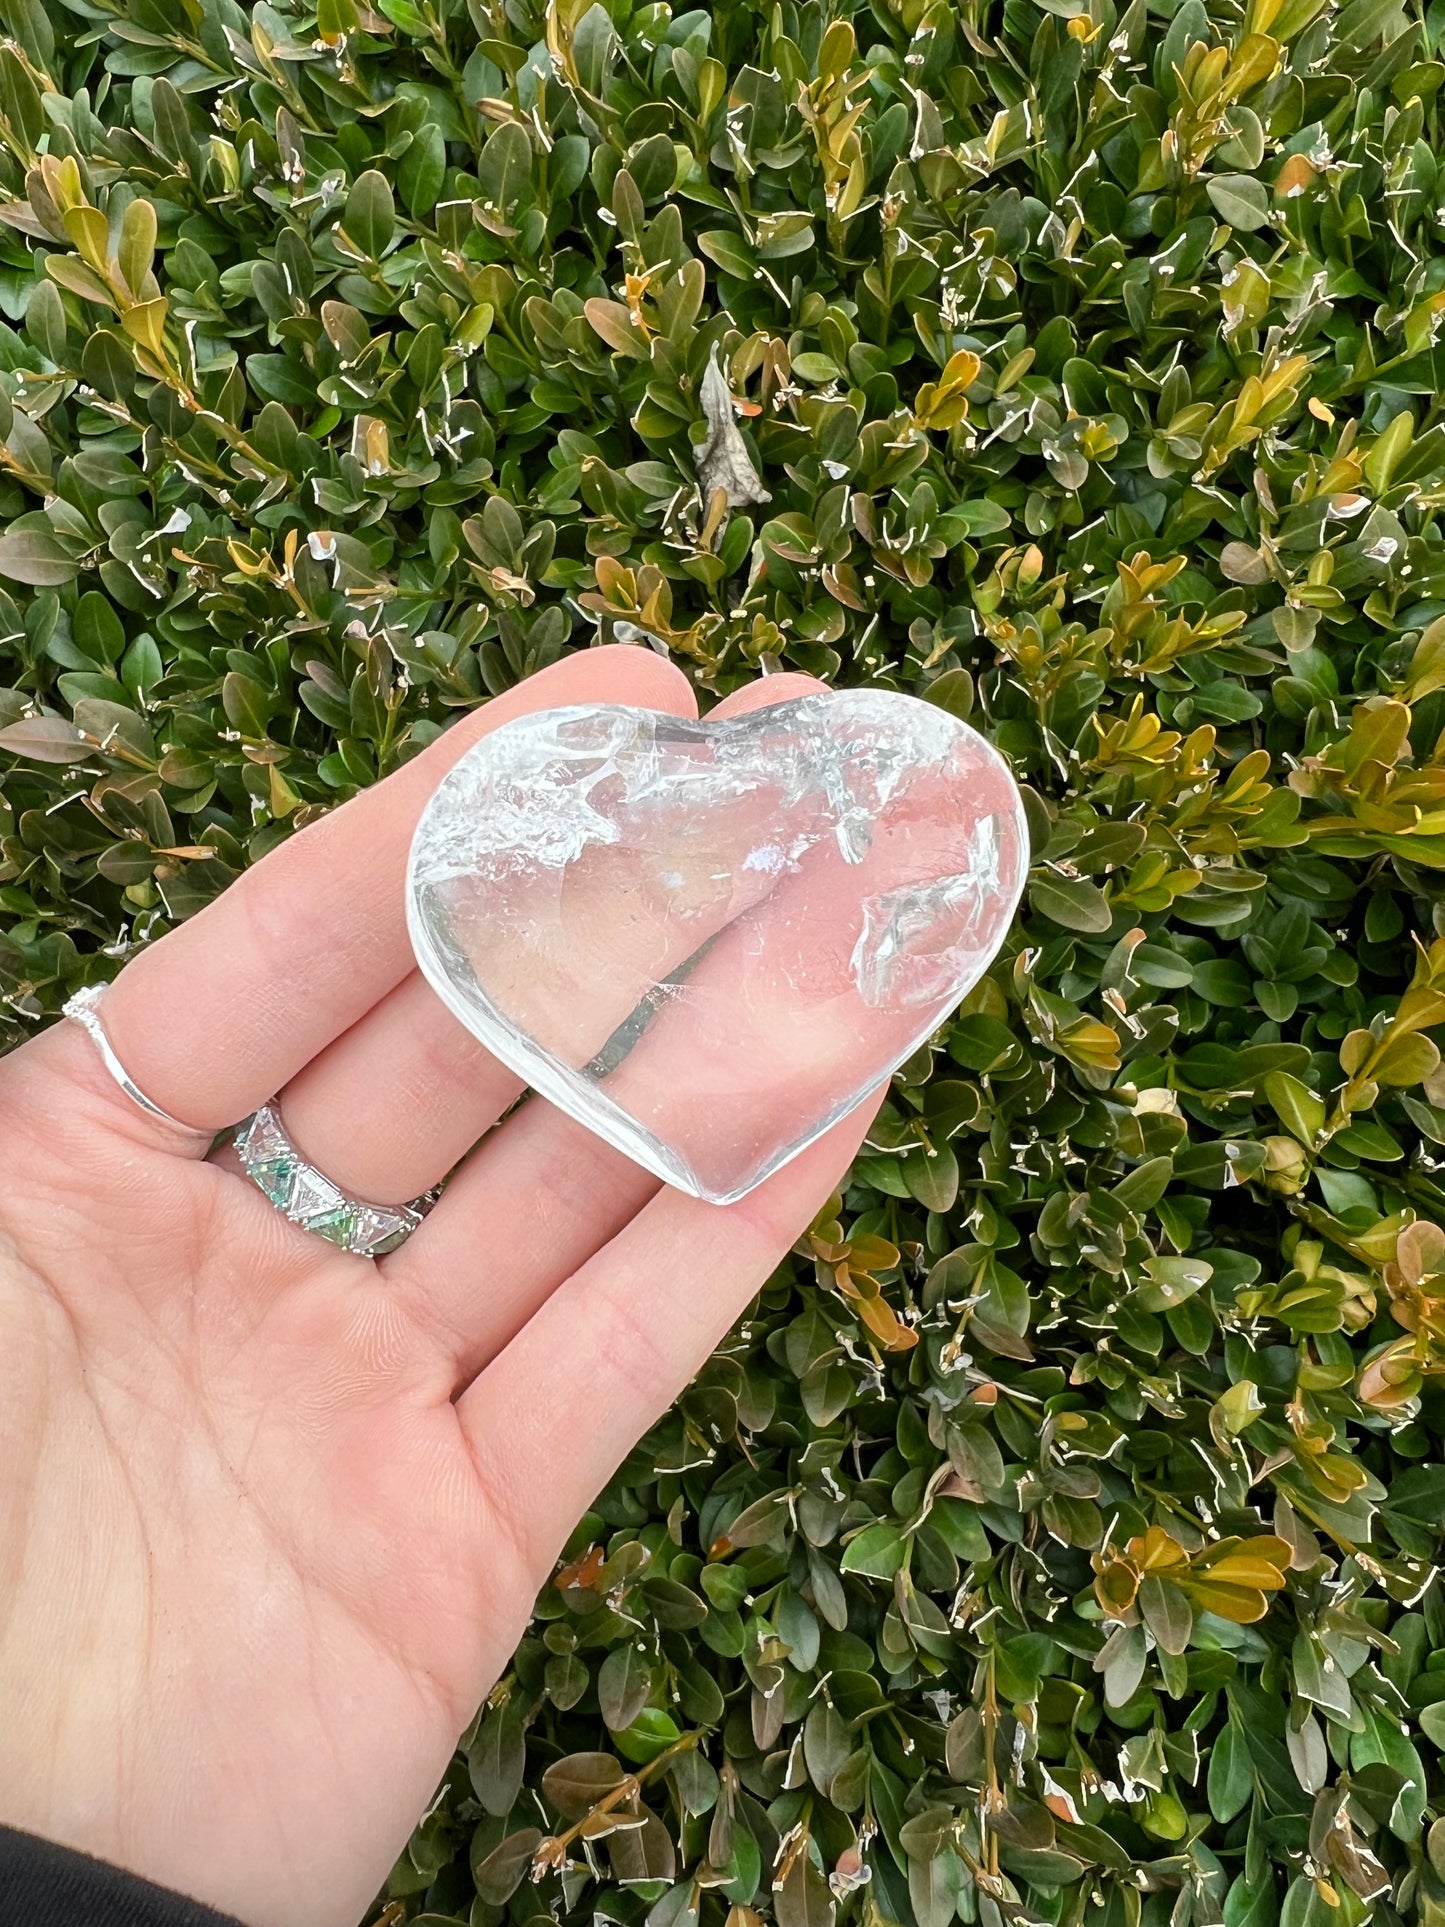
1054 1540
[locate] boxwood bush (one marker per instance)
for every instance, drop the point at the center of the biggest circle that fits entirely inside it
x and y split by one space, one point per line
1055 1539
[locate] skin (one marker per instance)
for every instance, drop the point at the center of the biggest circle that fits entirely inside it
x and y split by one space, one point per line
273 1516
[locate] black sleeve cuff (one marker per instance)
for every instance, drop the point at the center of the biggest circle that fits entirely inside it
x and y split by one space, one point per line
42 1885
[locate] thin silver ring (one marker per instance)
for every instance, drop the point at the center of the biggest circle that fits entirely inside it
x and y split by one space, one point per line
82 1009
309 1199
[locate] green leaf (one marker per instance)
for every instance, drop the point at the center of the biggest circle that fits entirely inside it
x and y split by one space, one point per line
1251 1903
496 1759
648 1736
137 246
803 1899
1299 1110
982 517
1142 1188
423 170
623 1685
577 1783
1364 22
45 739
247 709
932 1177
953 691
499 1873
1071 901
32 554
97 628
1381 1741
826 1744
877 1552
504 168
1171 1282
1240 200
1231 1774
1405 1060
1167 1613
45 322
728 251
369 215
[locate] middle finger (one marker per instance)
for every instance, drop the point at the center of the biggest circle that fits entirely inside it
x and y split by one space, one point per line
389 1108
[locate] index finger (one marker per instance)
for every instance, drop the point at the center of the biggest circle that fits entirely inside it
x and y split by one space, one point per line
224 1010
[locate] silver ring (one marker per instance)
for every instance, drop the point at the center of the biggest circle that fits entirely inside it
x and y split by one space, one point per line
312 1201
82 1009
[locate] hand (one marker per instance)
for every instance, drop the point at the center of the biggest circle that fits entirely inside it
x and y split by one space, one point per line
273 1515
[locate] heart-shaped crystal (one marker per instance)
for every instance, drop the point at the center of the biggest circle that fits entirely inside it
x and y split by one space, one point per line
707 941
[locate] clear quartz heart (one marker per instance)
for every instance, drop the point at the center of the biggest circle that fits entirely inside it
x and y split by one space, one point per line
707 941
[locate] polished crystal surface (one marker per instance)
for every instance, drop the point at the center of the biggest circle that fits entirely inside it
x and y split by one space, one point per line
707 941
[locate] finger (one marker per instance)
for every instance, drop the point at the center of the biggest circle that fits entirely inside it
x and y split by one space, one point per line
532 1202
217 1016
552 923
556 1412
389 1108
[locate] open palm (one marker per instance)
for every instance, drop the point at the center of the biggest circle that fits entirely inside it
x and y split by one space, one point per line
273 1516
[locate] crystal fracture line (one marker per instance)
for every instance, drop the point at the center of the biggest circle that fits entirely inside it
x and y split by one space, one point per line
630 1031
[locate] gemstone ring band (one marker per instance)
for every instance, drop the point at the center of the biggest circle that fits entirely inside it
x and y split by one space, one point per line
309 1199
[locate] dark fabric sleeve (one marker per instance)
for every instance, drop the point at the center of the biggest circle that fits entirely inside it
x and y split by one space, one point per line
42 1885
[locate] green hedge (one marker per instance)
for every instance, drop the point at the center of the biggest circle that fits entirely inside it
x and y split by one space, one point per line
1053 1541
